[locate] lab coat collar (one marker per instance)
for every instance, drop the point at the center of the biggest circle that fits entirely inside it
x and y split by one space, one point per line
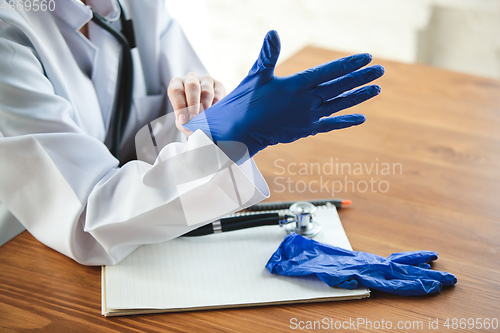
109 9
76 14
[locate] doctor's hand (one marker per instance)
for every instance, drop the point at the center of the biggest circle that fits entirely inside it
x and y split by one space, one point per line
191 95
266 109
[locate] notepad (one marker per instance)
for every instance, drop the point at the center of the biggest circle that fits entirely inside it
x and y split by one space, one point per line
217 271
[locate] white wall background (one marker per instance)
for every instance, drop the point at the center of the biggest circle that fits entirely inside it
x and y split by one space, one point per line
461 35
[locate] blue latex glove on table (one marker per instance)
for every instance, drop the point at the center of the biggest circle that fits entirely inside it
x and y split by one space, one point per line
404 274
266 109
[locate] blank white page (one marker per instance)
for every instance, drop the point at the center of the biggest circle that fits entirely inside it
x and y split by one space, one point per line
219 270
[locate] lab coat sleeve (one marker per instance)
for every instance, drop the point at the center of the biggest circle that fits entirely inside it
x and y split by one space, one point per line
65 187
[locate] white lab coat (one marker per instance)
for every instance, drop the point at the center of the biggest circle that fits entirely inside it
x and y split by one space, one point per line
58 178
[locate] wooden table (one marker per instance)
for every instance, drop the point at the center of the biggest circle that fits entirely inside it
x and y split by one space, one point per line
439 130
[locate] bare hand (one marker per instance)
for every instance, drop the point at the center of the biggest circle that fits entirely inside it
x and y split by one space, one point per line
191 95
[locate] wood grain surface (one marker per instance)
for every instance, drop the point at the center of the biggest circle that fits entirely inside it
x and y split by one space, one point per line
442 128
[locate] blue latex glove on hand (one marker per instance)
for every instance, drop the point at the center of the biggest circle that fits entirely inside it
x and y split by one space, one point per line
266 109
404 274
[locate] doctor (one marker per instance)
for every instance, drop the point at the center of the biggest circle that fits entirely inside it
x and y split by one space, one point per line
58 178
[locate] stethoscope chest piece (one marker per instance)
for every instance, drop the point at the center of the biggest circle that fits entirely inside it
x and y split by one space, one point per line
304 224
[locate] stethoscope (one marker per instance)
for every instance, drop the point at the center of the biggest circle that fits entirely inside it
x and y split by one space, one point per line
123 98
299 218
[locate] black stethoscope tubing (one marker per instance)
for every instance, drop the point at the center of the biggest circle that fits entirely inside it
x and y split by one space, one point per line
123 98
237 223
297 210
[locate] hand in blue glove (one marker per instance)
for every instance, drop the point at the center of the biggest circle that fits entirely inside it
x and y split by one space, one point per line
404 274
266 109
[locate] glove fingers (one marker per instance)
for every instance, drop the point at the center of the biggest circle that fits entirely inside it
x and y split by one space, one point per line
413 258
330 89
415 287
424 265
332 123
268 55
347 100
407 272
311 77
